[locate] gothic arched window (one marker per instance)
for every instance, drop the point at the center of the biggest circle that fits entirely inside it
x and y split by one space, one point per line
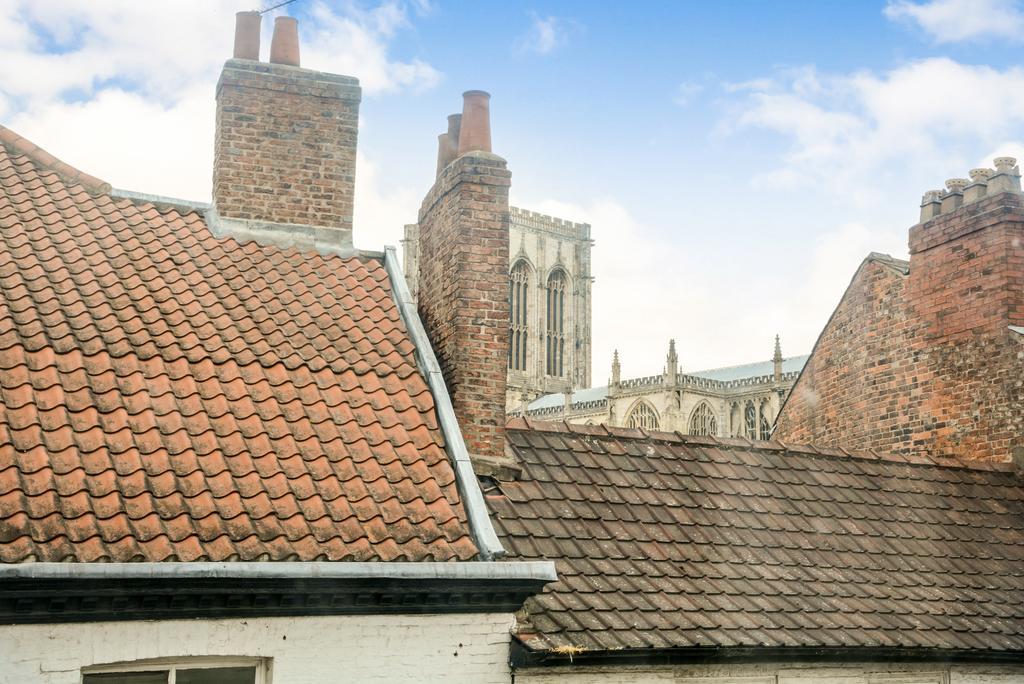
644 416
555 341
518 295
766 425
750 420
703 421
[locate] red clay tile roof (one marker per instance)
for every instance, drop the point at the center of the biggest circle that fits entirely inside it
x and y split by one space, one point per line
168 395
670 541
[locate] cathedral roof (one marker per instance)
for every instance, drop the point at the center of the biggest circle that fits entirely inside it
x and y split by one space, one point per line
751 370
676 543
725 374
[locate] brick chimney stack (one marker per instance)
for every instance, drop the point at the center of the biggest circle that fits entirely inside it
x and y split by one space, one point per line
463 282
285 147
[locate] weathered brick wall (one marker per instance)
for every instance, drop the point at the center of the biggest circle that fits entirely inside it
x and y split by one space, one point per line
926 363
463 292
459 648
285 146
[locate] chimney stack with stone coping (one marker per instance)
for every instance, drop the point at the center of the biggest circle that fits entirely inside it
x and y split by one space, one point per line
462 276
983 182
285 146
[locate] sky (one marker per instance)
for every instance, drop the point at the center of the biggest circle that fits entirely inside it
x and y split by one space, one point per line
736 160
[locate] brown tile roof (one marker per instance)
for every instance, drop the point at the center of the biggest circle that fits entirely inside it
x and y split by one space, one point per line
670 541
168 395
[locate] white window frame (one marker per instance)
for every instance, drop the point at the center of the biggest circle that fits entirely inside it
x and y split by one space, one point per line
172 665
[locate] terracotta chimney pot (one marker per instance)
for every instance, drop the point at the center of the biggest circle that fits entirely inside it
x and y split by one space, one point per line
475 131
448 143
247 35
445 152
454 126
284 46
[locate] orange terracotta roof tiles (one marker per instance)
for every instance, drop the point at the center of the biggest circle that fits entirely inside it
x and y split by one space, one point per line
169 395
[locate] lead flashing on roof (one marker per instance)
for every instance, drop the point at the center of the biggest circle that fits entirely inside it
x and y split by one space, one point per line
469 487
160 201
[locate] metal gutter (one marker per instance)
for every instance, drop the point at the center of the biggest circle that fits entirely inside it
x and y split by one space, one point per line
541 571
523 657
469 487
38 593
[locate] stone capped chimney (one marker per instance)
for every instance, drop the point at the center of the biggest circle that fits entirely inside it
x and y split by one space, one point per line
462 294
285 148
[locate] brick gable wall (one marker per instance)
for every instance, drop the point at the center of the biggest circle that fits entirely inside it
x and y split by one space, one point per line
926 362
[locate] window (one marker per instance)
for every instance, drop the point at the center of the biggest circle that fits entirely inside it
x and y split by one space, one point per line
555 340
766 425
190 671
644 416
702 421
750 421
518 289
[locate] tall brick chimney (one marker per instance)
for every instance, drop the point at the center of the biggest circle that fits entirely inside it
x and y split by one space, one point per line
463 282
285 149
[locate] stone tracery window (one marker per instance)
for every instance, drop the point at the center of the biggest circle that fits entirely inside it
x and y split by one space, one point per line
555 340
703 421
766 425
518 297
750 420
644 416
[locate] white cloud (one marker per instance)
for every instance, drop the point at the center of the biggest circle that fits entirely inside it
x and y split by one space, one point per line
131 141
649 289
381 212
545 35
124 90
846 132
950 21
685 92
356 43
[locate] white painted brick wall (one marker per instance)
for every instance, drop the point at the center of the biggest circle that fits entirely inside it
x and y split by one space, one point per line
308 650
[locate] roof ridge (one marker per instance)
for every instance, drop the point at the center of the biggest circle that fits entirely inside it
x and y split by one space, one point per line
741 365
601 430
901 265
23 146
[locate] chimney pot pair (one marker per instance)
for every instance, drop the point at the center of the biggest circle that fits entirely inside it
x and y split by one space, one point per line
284 46
468 131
